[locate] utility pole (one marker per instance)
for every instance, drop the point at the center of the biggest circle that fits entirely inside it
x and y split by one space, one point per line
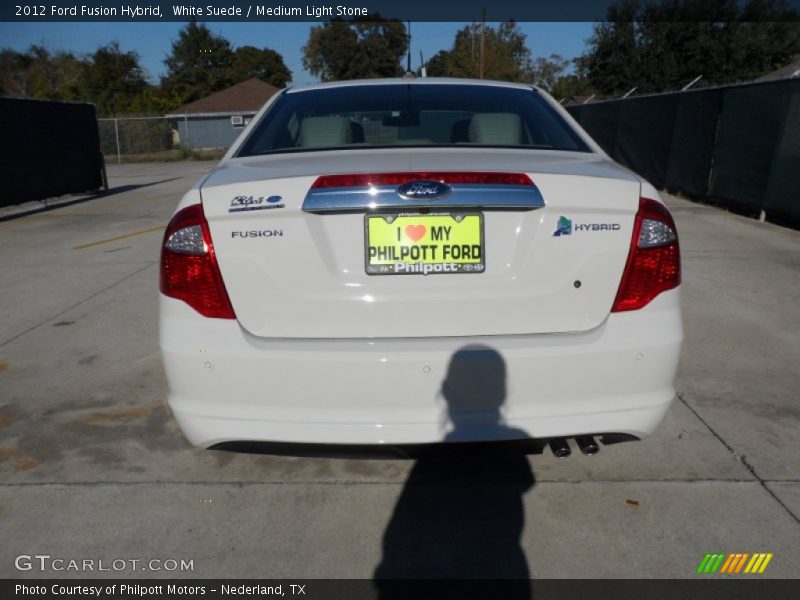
408 66
422 70
116 133
472 40
483 30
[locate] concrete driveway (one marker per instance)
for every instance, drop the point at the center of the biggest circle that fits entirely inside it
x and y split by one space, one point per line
93 467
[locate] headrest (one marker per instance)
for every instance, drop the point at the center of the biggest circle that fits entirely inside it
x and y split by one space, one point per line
321 132
502 129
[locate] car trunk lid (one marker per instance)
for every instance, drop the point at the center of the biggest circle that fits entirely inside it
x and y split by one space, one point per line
292 272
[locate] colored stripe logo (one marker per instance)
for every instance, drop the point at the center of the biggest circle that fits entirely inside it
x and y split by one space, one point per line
734 563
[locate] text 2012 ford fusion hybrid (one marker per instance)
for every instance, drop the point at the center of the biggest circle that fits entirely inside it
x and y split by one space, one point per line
419 260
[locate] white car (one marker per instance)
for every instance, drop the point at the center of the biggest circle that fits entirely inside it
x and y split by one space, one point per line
419 260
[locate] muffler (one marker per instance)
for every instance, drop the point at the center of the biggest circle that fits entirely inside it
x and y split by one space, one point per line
560 448
587 444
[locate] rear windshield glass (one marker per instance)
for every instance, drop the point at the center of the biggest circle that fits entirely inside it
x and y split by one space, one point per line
393 115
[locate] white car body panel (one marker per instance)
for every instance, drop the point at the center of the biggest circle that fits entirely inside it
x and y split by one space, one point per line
321 352
324 292
226 385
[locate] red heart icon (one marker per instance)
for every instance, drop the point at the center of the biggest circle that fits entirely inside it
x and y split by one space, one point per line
415 232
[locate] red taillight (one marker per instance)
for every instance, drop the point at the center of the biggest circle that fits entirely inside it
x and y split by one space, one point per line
376 179
654 262
189 269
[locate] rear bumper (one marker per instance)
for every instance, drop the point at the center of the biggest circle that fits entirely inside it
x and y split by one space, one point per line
226 385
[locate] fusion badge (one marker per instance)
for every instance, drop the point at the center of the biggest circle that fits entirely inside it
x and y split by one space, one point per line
258 233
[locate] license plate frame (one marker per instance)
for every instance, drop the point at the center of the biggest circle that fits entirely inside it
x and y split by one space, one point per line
435 267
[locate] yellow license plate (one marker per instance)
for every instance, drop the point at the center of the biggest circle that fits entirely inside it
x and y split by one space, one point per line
424 244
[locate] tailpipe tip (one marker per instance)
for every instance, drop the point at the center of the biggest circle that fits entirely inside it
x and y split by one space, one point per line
587 444
560 448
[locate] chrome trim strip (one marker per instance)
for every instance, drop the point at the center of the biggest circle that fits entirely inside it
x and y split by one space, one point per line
362 199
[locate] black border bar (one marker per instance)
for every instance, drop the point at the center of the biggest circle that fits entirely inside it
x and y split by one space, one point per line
292 10
711 588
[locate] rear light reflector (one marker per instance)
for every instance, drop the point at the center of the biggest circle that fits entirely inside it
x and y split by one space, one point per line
451 177
654 262
188 240
189 269
655 233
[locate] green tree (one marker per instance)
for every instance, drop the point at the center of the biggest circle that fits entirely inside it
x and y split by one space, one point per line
662 46
155 100
571 85
547 72
614 58
37 73
15 71
553 75
200 63
115 80
361 48
12 72
109 77
505 55
264 63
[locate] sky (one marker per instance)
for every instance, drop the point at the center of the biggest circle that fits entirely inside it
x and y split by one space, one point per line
153 40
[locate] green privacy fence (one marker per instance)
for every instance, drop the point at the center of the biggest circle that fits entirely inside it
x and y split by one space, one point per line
736 146
47 149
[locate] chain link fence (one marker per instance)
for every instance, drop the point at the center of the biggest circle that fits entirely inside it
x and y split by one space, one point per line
172 137
128 138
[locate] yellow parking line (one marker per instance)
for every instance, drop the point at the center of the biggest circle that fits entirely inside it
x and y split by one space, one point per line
119 237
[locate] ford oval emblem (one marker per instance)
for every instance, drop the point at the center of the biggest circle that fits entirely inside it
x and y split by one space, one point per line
424 189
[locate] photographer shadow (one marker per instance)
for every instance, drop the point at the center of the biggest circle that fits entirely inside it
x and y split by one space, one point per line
461 514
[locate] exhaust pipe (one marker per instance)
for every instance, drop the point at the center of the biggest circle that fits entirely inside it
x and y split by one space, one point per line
560 448
587 444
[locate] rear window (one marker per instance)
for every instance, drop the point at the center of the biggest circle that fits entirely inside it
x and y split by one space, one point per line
396 115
